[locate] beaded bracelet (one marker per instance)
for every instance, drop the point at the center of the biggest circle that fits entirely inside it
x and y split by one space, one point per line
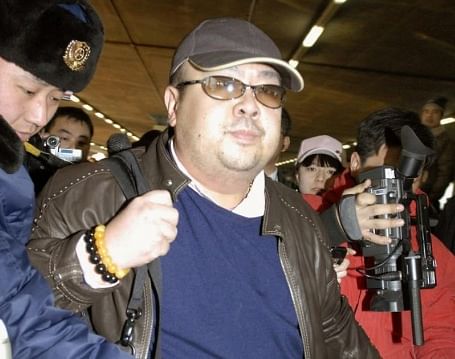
98 255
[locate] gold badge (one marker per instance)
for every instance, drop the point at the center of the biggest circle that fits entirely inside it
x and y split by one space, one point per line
76 55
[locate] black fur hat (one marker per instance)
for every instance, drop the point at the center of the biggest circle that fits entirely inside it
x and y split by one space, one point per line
58 41
438 101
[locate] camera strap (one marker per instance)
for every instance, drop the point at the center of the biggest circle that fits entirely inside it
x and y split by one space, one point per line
125 168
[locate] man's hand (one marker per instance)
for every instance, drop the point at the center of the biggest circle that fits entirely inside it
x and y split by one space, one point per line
342 268
142 231
366 209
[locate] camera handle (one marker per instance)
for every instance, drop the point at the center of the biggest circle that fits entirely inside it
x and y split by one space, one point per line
414 279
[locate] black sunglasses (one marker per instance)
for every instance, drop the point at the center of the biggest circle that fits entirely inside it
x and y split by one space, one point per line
228 88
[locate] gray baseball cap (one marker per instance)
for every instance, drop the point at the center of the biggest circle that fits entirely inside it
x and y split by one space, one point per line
220 43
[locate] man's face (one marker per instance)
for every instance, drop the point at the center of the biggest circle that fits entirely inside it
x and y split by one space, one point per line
216 137
72 133
431 115
26 102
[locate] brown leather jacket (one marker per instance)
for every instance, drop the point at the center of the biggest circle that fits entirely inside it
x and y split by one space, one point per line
79 197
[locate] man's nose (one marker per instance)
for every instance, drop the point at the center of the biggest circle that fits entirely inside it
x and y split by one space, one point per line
39 112
247 105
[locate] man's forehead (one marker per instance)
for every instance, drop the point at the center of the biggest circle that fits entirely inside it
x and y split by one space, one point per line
257 69
27 76
431 106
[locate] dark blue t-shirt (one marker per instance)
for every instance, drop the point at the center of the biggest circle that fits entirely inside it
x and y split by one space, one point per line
224 291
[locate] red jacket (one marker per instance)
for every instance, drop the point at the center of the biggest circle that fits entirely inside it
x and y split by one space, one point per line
392 339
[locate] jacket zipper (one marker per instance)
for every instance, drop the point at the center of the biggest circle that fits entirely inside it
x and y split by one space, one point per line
296 300
149 316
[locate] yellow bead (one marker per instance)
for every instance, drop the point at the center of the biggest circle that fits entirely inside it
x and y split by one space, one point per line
111 268
100 228
120 273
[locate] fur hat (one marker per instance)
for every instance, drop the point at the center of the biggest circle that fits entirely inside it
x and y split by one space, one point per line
58 41
439 101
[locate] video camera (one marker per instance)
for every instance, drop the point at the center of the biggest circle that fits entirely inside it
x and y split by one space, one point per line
52 145
44 157
396 272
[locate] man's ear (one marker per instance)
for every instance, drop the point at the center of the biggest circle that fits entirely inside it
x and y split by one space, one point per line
355 163
171 98
286 143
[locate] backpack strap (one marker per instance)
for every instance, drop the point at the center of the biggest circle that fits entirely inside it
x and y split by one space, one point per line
125 168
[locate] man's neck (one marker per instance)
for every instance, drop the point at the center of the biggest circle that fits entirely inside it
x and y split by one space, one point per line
228 190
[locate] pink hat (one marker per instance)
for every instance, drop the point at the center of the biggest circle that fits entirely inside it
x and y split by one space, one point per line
320 145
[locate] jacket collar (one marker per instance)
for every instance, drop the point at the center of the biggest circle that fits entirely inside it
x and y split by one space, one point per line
161 170
11 148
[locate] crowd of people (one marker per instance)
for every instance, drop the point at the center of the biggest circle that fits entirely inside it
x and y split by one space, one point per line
212 257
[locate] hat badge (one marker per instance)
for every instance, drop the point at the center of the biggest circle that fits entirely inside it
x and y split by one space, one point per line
76 55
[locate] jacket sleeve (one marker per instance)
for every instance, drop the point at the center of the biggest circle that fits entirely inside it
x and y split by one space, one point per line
35 327
342 332
444 172
438 307
63 216
329 312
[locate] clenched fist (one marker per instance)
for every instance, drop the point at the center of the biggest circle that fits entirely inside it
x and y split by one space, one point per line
143 230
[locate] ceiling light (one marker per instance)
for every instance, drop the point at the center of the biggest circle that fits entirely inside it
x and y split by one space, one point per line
87 107
339 1
446 121
312 36
74 98
98 156
99 114
116 125
293 63
346 147
108 121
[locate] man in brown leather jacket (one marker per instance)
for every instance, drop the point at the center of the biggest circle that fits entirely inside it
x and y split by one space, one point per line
240 266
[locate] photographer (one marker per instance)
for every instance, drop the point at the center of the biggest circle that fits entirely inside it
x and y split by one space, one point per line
36 38
378 144
67 137
74 128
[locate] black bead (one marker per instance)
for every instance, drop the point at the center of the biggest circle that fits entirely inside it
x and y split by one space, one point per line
109 277
88 237
91 248
94 258
100 268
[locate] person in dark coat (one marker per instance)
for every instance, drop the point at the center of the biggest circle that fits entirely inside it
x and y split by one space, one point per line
441 172
47 48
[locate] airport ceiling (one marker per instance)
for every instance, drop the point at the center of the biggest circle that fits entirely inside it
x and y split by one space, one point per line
372 54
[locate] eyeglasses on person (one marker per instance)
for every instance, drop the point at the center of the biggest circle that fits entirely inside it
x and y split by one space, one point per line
228 88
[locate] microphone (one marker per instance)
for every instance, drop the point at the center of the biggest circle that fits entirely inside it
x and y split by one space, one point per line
118 142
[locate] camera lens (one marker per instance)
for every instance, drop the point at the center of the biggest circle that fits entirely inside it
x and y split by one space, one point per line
52 141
